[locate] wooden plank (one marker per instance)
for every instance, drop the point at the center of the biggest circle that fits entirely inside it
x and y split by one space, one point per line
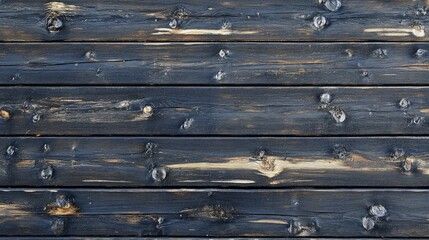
207 20
203 64
213 212
215 162
214 111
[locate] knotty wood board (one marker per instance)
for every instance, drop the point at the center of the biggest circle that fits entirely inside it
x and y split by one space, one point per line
208 212
200 63
215 162
214 111
244 20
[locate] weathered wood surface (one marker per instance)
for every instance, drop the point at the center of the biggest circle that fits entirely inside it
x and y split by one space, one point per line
220 212
208 212
245 20
190 238
214 111
215 162
214 64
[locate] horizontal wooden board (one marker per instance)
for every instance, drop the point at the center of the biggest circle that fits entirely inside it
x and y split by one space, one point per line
212 212
233 111
215 162
214 64
187 238
244 20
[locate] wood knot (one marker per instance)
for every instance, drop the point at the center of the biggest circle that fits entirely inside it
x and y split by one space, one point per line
4 115
16 76
174 23
11 150
47 173
177 17
147 111
368 223
149 150
215 213
57 226
320 22
417 120
159 174
187 124
418 30
46 148
406 164
340 152
376 215
63 205
36 117
302 228
219 75
420 53
226 25
90 55
223 53
54 23
378 211
404 103
325 98
338 114
379 53
349 52
331 5
266 163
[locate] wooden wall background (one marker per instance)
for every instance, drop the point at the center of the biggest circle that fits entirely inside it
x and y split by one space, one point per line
198 119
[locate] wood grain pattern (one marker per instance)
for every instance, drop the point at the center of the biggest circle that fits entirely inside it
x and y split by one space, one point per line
215 162
245 20
202 64
214 111
208 212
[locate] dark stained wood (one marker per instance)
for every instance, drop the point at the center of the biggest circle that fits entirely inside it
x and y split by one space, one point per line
208 212
186 238
214 111
207 20
215 162
201 64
